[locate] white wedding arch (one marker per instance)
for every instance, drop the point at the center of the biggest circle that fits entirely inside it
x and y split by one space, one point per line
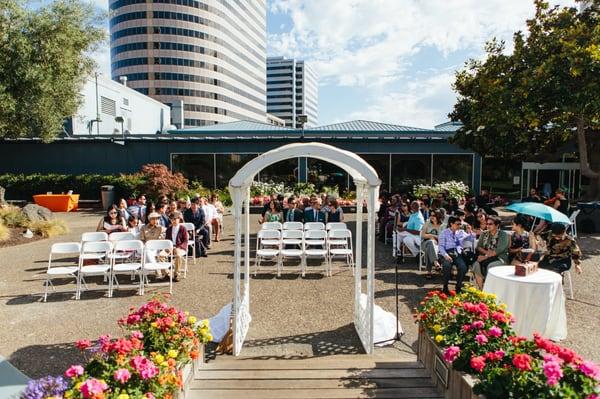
367 186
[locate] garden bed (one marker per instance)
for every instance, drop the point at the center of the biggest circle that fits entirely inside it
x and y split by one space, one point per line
16 238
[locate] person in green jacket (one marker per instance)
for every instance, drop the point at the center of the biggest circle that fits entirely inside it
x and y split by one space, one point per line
492 249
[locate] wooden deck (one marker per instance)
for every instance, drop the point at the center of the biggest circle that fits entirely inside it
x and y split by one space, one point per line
343 376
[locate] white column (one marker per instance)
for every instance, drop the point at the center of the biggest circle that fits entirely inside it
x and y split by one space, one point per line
371 206
360 190
247 242
236 196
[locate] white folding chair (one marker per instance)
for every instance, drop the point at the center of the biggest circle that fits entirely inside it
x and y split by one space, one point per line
292 246
334 248
293 226
93 250
63 248
336 226
268 245
315 246
572 228
120 236
314 226
156 246
272 226
95 236
191 230
132 267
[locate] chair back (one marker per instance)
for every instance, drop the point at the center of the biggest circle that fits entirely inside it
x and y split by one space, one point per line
292 234
90 247
65 248
269 234
159 245
94 236
190 226
339 234
271 226
574 215
336 226
129 245
120 236
315 235
314 226
293 226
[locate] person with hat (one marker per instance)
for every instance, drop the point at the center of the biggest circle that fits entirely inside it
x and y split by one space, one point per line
177 233
152 231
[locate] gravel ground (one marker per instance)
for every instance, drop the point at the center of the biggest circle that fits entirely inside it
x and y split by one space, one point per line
292 317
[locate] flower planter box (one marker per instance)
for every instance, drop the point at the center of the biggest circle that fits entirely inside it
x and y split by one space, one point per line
454 384
188 371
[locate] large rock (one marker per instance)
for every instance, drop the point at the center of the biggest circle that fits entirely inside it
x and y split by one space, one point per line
36 213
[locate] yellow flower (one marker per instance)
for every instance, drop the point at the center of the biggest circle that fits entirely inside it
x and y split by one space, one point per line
472 289
164 364
492 296
192 320
78 385
439 338
68 394
154 324
172 353
503 306
123 396
159 358
437 328
205 323
209 337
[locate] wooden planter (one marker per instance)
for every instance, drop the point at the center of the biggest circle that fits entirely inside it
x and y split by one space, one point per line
188 371
454 384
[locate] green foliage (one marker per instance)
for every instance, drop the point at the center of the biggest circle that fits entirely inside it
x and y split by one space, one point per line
44 59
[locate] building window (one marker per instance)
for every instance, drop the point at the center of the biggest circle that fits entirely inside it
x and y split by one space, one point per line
381 164
195 167
285 172
322 173
409 170
453 167
228 165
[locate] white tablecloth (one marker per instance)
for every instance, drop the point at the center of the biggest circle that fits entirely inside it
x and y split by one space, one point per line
537 301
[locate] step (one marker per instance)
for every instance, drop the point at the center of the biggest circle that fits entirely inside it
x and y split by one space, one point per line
292 393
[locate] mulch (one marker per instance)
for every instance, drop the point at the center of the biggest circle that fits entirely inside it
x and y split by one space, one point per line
16 238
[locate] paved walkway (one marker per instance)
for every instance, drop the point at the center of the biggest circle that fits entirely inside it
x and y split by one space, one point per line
292 317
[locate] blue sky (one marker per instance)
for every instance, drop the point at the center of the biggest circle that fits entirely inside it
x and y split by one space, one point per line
387 60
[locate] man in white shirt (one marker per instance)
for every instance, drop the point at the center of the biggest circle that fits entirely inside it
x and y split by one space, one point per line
210 212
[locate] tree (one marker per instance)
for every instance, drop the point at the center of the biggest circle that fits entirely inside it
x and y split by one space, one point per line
161 181
44 60
531 103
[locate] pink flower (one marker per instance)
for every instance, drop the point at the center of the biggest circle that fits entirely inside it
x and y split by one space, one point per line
522 361
83 344
494 356
553 372
481 339
133 319
149 395
145 367
590 369
495 331
74 371
92 387
451 353
499 317
593 396
466 328
478 363
477 324
122 375
453 311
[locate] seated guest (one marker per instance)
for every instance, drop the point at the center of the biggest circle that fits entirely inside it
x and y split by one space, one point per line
177 233
533 196
195 214
558 202
133 226
152 231
450 246
182 205
429 240
314 214
161 208
113 221
410 233
122 208
149 209
220 209
173 206
470 216
325 201
520 240
388 220
265 208
425 208
335 214
453 206
210 214
492 249
292 213
480 225
561 251
138 208
273 214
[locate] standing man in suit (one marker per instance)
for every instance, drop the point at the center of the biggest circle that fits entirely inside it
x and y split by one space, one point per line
292 213
194 214
314 213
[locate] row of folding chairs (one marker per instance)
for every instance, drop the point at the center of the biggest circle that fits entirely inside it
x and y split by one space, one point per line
278 246
304 226
120 257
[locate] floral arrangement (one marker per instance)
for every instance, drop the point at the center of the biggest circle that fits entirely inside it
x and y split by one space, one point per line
476 336
144 364
258 188
456 189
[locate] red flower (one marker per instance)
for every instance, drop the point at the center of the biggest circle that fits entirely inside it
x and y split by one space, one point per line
83 344
568 355
443 296
452 293
478 363
522 361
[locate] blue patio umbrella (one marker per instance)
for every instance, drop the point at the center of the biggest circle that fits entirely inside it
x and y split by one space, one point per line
539 211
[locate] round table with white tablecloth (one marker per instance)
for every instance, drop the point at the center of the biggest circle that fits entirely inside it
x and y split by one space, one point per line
537 301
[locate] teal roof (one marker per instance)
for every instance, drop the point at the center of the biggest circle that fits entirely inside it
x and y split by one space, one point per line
448 126
237 126
366 126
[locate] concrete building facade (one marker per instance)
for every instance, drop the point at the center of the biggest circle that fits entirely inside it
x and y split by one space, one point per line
210 54
105 102
291 91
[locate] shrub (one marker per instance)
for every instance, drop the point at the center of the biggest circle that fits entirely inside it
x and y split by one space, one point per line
12 216
49 228
4 233
161 181
457 189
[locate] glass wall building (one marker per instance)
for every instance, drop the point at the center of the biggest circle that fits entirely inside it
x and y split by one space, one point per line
210 54
292 91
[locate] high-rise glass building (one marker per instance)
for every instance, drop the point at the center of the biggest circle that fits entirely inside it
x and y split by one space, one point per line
210 54
292 91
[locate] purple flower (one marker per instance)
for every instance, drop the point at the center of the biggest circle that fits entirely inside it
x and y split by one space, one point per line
45 387
495 331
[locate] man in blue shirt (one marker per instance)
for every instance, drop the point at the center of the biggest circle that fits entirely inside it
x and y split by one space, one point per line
450 244
410 233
